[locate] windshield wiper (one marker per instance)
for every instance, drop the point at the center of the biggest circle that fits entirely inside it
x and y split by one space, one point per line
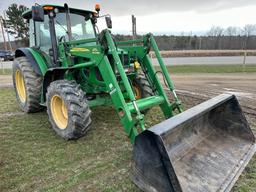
61 26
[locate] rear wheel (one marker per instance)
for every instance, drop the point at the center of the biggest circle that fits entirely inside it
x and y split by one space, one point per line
67 109
141 88
27 85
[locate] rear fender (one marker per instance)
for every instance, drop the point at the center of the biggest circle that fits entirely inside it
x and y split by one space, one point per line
35 58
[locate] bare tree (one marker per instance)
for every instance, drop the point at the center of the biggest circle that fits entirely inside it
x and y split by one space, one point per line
216 32
248 31
231 32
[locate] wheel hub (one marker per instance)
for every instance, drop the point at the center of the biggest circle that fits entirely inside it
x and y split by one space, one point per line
137 92
59 112
20 86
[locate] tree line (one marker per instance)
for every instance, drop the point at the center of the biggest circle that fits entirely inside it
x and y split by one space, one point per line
232 38
217 38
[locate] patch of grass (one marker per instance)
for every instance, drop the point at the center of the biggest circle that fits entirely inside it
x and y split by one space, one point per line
5 71
211 69
247 181
33 158
8 101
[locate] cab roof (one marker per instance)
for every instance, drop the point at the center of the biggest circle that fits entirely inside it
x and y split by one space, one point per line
28 14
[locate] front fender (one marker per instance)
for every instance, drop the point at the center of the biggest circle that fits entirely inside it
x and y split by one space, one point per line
50 76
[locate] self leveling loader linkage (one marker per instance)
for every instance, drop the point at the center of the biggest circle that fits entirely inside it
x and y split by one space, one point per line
71 67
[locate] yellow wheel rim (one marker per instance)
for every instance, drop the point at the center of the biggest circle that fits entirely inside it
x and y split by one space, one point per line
59 112
20 86
137 92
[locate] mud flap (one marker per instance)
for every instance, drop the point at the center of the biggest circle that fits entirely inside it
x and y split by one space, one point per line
202 149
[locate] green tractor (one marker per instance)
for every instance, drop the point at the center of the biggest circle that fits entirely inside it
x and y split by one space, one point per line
71 67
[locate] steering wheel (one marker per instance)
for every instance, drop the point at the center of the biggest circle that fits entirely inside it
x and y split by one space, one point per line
75 36
62 39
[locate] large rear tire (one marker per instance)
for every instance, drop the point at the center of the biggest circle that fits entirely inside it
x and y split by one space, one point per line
27 85
67 109
141 88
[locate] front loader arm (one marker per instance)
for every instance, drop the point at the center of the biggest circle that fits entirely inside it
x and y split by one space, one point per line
124 108
165 72
128 108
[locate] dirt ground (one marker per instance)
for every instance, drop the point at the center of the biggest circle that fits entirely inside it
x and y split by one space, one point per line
205 86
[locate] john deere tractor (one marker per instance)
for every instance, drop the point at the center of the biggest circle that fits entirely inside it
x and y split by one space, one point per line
71 67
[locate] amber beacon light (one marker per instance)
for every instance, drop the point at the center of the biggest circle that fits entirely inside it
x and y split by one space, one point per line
97 7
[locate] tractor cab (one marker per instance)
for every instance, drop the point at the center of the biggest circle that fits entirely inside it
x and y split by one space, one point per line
51 25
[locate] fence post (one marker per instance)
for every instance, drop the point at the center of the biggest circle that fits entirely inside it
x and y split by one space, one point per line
244 61
2 66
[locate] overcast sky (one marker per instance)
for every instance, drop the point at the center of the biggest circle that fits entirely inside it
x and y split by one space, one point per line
165 16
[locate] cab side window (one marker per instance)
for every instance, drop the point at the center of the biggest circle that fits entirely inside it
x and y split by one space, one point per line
32 42
43 38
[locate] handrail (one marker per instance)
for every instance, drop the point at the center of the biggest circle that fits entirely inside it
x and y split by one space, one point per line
130 42
86 64
82 41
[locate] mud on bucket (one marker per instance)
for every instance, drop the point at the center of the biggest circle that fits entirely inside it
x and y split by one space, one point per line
202 149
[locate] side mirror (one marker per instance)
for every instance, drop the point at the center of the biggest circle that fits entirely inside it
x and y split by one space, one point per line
108 22
38 13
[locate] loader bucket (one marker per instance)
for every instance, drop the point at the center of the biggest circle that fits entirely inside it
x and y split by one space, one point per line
202 149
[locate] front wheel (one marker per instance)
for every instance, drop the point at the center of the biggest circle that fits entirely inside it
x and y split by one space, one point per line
67 109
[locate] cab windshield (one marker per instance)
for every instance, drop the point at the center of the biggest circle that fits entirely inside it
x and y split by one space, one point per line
80 27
